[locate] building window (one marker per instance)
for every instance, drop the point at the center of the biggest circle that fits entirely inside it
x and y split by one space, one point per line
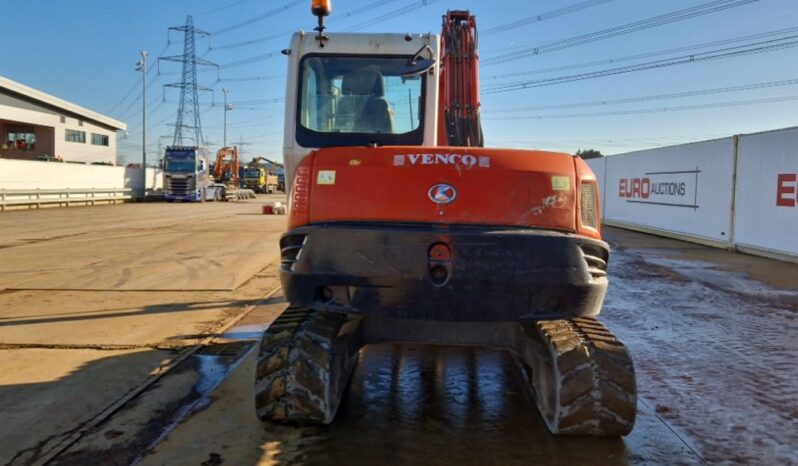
75 136
63 119
99 139
20 138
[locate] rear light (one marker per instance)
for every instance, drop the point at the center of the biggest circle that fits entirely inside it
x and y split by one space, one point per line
440 252
300 197
589 204
440 263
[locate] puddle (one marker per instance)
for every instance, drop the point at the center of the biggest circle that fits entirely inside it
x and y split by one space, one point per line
212 370
215 361
246 332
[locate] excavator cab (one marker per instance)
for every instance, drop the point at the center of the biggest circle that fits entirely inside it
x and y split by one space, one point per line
357 93
401 227
348 95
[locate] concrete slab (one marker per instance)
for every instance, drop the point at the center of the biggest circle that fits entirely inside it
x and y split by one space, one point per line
107 318
213 255
140 424
46 394
413 405
67 354
31 226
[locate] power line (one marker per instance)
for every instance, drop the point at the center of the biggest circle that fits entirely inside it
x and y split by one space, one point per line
124 113
750 49
137 99
680 15
598 143
137 127
391 14
128 94
681 108
543 17
247 61
275 100
253 120
619 140
629 100
251 78
222 8
258 18
610 61
276 53
251 41
253 109
251 125
351 13
137 84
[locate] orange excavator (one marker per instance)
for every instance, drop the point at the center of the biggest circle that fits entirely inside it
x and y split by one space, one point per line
226 173
402 227
225 170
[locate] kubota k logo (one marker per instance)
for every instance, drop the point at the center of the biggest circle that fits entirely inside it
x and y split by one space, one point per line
442 194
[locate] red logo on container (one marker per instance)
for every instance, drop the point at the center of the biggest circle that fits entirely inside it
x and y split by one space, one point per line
785 186
635 188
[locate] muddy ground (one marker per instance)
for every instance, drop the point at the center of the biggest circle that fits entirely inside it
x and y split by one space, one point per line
124 374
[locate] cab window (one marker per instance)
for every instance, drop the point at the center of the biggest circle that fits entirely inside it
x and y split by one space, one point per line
358 100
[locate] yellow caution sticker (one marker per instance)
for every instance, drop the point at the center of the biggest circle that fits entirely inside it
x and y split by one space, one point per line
560 183
326 177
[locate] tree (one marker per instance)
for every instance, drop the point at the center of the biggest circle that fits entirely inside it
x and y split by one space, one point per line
589 154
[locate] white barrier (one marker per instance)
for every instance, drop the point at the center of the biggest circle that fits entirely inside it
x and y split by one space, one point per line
685 190
739 192
766 219
25 174
36 198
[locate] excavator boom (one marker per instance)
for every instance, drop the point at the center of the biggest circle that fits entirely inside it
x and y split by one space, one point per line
460 123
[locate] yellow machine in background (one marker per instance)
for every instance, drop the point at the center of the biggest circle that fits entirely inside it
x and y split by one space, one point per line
263 176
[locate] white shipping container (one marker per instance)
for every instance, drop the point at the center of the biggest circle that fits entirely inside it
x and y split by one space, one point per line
767 192
683 190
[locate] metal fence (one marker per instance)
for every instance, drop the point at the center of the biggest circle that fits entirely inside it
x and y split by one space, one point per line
37 198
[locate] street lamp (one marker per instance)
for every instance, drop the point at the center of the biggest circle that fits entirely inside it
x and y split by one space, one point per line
227 107
142 66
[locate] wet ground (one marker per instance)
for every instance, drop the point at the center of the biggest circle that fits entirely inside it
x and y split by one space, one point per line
713 336
715 352
411 404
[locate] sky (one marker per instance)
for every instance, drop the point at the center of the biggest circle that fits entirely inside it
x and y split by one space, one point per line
563 75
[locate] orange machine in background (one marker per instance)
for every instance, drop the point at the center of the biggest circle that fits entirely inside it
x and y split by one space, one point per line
225 170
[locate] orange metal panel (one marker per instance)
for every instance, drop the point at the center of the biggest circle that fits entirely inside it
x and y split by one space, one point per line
392 184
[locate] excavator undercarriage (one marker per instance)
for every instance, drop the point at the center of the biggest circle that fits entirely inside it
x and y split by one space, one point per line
579 375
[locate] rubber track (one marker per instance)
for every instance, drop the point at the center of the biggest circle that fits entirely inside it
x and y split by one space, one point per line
586 385
305 360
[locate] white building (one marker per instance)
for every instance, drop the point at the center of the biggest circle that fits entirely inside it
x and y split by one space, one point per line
38 126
